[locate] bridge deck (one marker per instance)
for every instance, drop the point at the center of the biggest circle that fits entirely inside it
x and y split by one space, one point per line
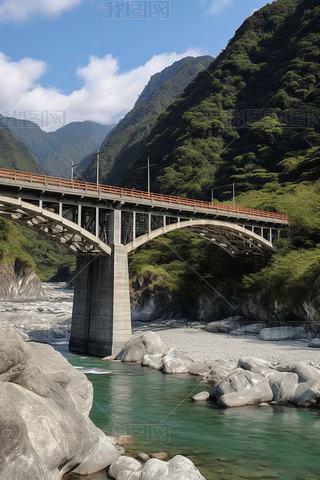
32 180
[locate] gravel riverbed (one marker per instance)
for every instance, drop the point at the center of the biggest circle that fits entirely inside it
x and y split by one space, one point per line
201 345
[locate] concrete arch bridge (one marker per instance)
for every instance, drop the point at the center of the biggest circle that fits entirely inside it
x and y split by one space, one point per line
102 224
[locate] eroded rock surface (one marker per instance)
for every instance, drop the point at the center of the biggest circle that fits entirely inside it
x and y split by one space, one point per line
178 468
19 283
45 431
141 344
241 387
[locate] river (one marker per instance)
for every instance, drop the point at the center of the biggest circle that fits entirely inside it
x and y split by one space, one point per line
157 410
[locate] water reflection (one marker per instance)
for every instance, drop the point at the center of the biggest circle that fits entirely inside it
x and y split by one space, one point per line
255 441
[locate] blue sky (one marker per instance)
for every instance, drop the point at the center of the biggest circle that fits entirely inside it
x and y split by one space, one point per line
90 59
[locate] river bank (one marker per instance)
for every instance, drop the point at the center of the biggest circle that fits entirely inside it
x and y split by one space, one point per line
130 394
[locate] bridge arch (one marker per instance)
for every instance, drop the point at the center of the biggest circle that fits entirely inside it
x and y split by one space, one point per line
232 238
52 225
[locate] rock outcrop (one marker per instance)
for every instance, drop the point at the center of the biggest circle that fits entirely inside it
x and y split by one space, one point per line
141 344
178 468
19 283
45 431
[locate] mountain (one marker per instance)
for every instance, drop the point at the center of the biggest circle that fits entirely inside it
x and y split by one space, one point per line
55 151
15 155
254 119
125 139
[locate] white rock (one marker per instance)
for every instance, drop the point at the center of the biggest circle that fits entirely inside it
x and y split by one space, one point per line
176 362
283 386
248 363
314 343
231 323
307 393
123 466
253 329
241 387
283 333
201 397
153 361
141 344
304 372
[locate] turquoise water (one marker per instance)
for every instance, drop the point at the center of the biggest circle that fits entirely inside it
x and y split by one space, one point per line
156 409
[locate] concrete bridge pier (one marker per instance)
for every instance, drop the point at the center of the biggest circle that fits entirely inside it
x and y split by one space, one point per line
101 317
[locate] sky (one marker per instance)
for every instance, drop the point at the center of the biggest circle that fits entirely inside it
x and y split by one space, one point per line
64 61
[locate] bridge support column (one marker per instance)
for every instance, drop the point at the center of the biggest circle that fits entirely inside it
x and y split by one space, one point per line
101 317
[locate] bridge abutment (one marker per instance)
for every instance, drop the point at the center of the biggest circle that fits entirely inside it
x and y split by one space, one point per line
101 317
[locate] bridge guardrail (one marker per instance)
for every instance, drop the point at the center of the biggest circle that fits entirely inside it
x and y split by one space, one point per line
93 187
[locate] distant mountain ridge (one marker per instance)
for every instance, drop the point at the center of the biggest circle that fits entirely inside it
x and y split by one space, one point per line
125 139
55 151
15 155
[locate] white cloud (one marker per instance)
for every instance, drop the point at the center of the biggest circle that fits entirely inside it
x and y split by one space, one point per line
218 5
106 94
18 10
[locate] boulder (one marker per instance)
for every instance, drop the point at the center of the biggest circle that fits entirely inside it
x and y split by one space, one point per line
45 430
123 467
231 323
220 369
283 386
253 329
250 363
213 327
283 333
176 362
153 361
200 369
201 397
314 343
141 344
304 372
307 393
240 388
178 468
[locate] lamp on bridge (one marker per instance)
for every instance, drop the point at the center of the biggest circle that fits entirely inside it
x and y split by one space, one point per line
148 167
218 187
72 166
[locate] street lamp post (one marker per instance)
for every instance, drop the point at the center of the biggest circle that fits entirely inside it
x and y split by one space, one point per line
148 169
72 166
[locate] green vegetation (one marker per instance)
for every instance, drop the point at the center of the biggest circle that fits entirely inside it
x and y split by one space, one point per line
13 245
52 260
15 155
55 151
255 121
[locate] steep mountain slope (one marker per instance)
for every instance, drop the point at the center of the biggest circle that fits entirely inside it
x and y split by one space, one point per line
125 139
255 120
238 123
15 154
55 151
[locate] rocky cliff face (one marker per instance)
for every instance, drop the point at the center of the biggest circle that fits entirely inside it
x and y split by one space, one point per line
151 305
45 431
19 283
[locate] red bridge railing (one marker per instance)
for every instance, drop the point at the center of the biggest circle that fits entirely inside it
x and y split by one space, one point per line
93 187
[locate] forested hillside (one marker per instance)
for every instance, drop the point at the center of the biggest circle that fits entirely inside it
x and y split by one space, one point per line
55 151
254 120
126 138
15 154
21 244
